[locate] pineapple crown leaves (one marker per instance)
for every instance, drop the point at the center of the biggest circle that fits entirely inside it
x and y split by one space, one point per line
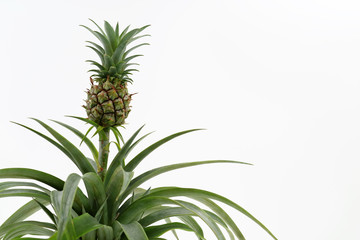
113 52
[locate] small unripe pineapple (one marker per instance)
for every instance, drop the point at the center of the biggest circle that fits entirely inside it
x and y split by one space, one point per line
108 100
108 104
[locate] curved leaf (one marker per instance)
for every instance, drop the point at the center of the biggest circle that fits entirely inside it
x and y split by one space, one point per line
120 156
80 160
138 158
25 229
28 173
117 184
198 193
85 224
24 193
68 196
134 231
157 171
45 178
96 192
22 213
56 144
10 184
157 231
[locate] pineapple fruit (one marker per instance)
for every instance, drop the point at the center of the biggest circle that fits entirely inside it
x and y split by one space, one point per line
108 100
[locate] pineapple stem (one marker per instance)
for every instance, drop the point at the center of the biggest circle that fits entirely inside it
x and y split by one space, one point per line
103 152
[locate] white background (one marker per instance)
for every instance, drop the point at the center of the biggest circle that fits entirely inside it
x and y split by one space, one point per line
275 82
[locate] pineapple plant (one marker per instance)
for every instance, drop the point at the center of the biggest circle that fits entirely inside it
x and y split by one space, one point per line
113 205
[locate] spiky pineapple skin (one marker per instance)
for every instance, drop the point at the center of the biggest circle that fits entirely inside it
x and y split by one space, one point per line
108 103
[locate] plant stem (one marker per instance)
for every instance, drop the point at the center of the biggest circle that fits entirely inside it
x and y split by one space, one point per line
103 151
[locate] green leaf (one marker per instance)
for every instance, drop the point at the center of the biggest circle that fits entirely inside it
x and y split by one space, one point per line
84 120
133 48
138 158
10 184
118 52
190 221
25 228
134 231
101 55
118 183
101 36
141 36
96 192
105 233
98 131
179 212
117 29
47 211
197 193
67 200
157 231
126 60
117 135
103 33
56 144
146 203
117 230
97 47
101 67
108 61
19 229
100 212
22 213
85 224
83 137
24 193
80 160
157 171
120 156
56 201
223 215
27 173
110 33
124 39
124 32
168 220
204 216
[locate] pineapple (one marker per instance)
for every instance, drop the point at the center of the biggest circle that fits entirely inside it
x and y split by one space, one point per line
108 100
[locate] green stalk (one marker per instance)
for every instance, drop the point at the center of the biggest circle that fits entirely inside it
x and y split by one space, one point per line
103 151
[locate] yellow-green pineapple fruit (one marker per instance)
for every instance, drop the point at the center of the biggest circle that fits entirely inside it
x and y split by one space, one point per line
108 100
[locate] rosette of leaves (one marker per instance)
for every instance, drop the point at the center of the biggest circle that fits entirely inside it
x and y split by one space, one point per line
113 206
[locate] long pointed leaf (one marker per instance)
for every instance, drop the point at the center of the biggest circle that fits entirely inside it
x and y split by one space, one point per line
68 196
120 156
83 138
96 192
10 184
134 231
196 193
81 161
138 158
48 179
157 231
22 213
157 171
56 144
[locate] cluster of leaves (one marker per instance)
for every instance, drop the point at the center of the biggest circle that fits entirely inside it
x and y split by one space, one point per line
114 55
115 207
